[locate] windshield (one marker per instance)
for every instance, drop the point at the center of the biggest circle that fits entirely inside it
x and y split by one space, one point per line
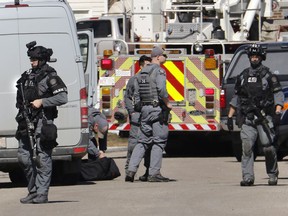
274 60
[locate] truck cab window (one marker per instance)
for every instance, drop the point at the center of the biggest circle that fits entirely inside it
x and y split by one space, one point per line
102 28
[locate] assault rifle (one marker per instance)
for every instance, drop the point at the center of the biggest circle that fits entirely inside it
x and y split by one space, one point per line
262 120
29 124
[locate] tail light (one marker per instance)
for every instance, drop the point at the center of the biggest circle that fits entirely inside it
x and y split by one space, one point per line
210 62
83 108
106 64
223 98
106 101
210 102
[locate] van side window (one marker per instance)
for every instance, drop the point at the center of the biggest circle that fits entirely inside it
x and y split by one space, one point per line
84 42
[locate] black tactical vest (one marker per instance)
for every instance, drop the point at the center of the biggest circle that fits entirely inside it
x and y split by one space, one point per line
147 84
30 81
251 90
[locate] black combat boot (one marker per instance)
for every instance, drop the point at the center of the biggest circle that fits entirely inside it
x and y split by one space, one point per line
41 198
130 176
157 178
29 198
273 180
144 177
248 182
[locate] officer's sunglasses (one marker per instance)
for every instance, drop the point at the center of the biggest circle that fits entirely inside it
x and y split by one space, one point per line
165 55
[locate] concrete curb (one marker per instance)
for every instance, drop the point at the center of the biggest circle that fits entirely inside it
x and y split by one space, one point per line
116 149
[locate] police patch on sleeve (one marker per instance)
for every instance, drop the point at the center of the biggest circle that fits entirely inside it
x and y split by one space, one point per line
274 79
53 81
57 85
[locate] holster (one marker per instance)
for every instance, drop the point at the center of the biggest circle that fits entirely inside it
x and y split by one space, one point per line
164 118
48 136
266 132
138 106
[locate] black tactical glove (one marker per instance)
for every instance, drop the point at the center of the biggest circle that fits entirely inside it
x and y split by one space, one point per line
277 119
230 124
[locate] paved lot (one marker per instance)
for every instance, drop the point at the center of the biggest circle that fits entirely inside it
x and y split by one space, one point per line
203 186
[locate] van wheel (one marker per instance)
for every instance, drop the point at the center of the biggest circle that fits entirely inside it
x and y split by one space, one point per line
17 176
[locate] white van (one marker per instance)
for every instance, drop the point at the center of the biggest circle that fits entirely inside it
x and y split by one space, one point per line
51 24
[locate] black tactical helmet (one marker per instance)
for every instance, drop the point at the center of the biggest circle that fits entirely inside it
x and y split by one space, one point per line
256 49
38 52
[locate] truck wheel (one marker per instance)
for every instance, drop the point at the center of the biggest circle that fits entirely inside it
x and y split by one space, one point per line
17 177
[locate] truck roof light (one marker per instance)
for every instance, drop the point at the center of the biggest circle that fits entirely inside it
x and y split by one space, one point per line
107 53
209 53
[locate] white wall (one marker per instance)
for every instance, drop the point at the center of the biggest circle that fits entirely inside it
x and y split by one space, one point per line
88 8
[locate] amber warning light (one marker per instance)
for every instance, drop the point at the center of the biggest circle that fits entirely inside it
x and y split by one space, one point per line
210 62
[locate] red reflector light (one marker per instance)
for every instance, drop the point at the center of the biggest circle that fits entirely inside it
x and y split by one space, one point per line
78 150
106 64
209 91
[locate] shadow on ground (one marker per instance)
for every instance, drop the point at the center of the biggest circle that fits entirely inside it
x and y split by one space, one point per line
198 144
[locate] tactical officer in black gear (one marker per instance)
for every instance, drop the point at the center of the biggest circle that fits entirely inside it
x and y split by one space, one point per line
40 90
258 101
